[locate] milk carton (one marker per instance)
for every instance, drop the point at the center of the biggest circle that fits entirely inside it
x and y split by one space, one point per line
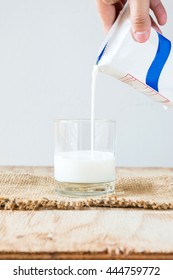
148 67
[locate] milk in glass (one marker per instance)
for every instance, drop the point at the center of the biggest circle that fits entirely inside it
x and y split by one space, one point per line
86 166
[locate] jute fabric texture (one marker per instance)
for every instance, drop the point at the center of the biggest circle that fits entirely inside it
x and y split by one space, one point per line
32 192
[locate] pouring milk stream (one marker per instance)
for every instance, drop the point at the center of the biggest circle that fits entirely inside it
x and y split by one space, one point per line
86 166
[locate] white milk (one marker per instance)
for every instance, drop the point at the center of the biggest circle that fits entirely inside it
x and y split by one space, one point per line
82 167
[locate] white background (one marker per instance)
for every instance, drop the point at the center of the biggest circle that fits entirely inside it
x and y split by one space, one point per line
85 266
47 51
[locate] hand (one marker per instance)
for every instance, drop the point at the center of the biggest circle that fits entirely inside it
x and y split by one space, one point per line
139 12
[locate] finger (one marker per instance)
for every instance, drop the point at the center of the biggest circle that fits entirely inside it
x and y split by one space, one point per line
118 7
116 2
110 2
140 19
107 14
155 26
159 11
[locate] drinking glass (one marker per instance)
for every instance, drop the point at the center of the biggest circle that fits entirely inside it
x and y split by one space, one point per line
84 158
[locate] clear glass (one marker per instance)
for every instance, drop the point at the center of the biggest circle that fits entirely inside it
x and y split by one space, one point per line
84 159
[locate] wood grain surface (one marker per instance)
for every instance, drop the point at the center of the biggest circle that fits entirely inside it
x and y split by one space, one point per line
87 234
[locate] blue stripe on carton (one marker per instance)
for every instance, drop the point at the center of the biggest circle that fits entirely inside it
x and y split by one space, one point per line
162 54
101 54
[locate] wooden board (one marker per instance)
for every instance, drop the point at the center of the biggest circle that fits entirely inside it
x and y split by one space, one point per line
115 232
86 234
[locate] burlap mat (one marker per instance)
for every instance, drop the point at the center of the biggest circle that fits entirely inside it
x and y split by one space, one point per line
31 192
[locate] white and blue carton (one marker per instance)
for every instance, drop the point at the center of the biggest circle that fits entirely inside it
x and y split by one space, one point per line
148 67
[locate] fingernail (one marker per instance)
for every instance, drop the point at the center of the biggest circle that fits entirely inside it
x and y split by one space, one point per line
141 36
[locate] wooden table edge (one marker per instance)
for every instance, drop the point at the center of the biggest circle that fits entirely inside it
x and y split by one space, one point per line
84 256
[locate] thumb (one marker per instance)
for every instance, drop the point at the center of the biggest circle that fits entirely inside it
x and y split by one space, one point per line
140 19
